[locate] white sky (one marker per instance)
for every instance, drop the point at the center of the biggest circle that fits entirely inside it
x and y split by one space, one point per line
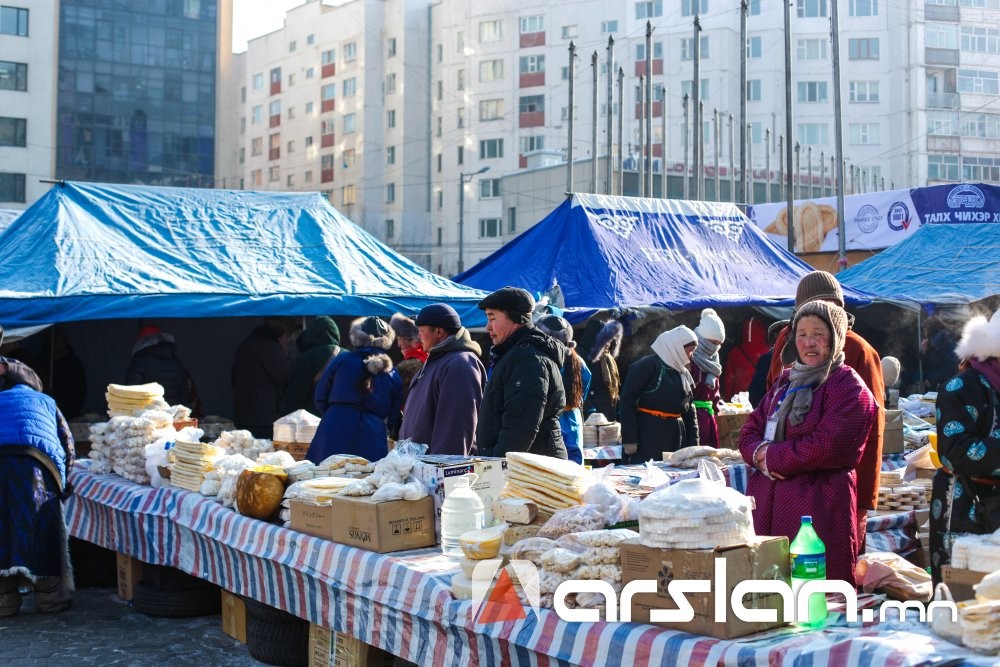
253 18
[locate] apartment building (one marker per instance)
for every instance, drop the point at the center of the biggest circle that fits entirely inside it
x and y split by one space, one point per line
27 100
487 97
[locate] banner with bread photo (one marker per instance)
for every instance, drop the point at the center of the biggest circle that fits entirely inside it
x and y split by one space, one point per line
811 223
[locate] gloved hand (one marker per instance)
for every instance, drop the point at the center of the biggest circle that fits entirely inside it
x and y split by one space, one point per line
629 450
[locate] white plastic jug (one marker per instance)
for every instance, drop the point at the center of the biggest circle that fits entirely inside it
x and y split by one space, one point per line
461 512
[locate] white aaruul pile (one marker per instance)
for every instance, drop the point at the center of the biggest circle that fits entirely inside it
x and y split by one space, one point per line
552 484
391 477
120 445
598 431
192 460
688 457
903 497
980 620
243 443
297 428
980 553
695 514
128 400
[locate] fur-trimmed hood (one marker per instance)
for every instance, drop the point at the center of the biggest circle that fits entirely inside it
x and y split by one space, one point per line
375 360
608 339
361 338
980 338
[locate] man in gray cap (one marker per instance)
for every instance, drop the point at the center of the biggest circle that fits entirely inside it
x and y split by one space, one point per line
524 393
442 408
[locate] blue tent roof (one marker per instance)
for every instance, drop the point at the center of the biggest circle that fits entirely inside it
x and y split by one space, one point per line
92 251
940 264
608 252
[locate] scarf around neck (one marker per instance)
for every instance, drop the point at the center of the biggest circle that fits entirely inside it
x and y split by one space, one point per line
989 368
706 355
798 398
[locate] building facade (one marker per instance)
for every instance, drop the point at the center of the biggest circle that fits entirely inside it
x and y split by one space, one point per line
418 148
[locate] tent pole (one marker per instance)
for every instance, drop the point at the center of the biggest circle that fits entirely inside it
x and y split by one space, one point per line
920 352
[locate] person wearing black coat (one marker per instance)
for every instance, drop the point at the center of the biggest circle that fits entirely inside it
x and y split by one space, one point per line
318 345
260 372
154 359
524 393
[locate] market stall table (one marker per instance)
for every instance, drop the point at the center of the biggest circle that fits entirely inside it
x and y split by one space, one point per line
402 602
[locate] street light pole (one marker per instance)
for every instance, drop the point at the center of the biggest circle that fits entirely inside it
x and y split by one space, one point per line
463 178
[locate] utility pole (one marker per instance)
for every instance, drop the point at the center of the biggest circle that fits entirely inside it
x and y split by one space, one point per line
649 109
621 130
642 139
663 142
569 146
749 144
744 11
789 195
768 195
609 186
781 163
687 139
717 131
732 160
838 145
593 134
696 101
822 173
797 183
809 172
701 150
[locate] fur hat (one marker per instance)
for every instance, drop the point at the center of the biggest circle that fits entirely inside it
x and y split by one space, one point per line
439 315
608 337
835 318
819 285
404 327
514 301
980 338
775 329
558 328
711 326
371 332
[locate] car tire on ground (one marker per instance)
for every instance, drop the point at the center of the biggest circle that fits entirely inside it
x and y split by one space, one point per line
276 637
170 603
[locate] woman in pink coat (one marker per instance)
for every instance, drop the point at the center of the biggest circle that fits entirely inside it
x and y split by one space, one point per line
806 437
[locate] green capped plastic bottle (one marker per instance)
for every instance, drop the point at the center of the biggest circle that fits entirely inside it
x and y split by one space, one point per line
808 563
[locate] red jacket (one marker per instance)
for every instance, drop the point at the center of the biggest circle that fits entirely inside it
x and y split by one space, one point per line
742 359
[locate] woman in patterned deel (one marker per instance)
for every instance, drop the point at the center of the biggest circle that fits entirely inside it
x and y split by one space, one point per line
968 430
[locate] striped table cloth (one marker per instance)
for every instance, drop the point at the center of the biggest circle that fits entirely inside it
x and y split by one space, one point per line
402 603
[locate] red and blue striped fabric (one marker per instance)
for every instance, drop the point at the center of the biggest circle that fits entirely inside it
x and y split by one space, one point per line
402 602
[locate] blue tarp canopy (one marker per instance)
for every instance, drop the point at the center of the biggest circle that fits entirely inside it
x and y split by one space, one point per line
614 252
93 251
944 264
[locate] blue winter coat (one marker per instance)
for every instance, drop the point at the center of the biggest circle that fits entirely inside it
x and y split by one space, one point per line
354 419
571 421
29 418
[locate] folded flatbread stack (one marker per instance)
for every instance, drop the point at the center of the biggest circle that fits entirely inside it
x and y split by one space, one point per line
695 514
125 400
550 483
688 457
192 461
981 626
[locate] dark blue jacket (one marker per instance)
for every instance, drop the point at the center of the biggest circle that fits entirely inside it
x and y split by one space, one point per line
29 418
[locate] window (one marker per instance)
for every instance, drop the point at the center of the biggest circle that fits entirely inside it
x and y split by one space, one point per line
532 103
812 49
390 155
440 162
461 155
310 39
511 220
693 7
291 79
12 187
609 26
390 193
328 57
349 195
490 148
972 81
813 133
687 48
310 72
309 108
291 147
258 81
273 173
243 89
256 177
862 48
290 180
942 168
810 8
864 134
439 50
753 91
350 87
980 125
440 126
390 118
640 51
390 84
461 117
491 31
569 31
13 132
812 91
274 108
256 146
531 24
440 90
490 109
349 123
491 70
391 48
649 9
291 112
529 144
328 92
14 21
980 40
350 51
309 141
489 228
349 156
276 76
686 88
243 124
863 91
489 188
328 126
460 83
243 155
941 35
309 176
980 169
292 46
390 229
754 47
532 64
460 41
864 7
754 7
14 76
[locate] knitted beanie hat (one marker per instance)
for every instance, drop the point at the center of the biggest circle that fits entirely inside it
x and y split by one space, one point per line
835 318
558 328
819 285
711 326
439 315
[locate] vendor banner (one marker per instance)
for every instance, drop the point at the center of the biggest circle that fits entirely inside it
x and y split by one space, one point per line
876 220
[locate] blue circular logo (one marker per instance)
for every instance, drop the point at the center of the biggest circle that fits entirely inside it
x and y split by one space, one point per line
899 216
866 218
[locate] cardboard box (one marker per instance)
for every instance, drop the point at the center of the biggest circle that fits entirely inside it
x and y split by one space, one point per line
892 434
234 616
395 525
769 559
129 574
729 429
960 582
438 474
335 649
